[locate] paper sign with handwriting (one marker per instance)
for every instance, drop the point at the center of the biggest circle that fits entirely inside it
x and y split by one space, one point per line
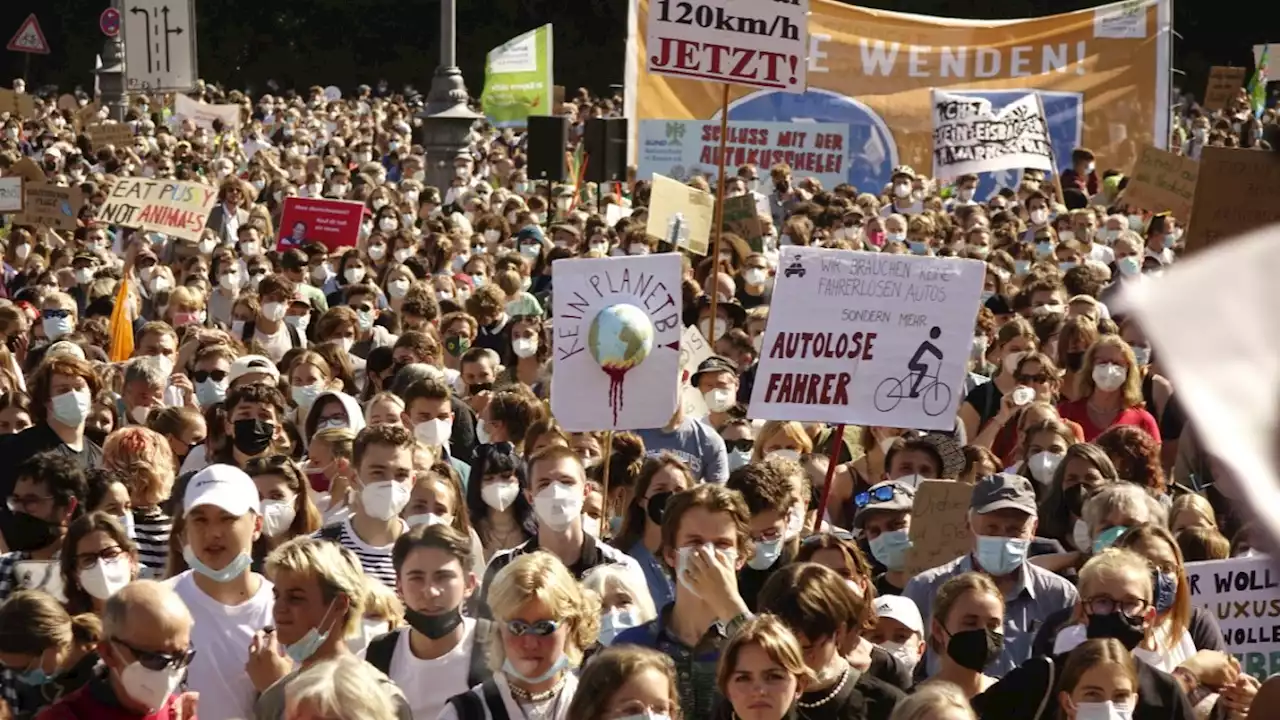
695 208
1163 182
49 205
969 136
693 350
1224 83
171 207
11 194
1237 190
104 134
1243 595
939 524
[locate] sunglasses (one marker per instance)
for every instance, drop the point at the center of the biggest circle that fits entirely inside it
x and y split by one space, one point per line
203 375
158 661
542 628
880 494
745 445
1040 378
55 313
836 533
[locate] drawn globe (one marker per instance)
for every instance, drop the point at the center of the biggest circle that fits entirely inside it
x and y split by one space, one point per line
621 337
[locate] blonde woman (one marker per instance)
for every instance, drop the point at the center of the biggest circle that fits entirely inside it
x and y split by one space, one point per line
146 459
384 408
329 472
935 700
320 596
783 438
545 621
45 648
1109 389
624 599
627 682
1191 511
338 689
761 672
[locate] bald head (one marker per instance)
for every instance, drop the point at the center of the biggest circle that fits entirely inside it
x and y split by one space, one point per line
148 615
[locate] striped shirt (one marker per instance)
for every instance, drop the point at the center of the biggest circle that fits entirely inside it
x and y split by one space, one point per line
376 561
151 528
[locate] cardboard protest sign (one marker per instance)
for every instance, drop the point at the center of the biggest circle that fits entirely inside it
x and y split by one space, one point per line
28 170
336 223
939 524
682 149
175 208
696 208
1163 182
1237 190
757 43
742 219
970 137
49 205
867 339
11 194
104 134
694 348
1224 83
15 103
1243 594
203 114
616 342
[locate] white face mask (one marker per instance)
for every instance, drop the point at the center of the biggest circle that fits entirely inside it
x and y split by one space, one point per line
683 557
150 688
429 519
525 347
500 495
719 399
377 252
558 505
277 516
387 224
106 577
1103 711
353 275
398 288
908 655
1109 376
1043 465
273 311
434 433
708 332
384 500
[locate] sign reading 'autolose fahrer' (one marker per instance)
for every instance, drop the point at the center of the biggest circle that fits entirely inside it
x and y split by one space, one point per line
758 43
970 137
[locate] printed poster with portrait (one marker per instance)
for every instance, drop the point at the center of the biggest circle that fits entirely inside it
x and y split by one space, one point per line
335 223
616 342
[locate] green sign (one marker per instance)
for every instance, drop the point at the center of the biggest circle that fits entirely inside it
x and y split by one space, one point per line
517 79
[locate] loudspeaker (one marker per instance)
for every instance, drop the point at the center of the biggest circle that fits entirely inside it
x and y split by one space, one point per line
606 146
547 143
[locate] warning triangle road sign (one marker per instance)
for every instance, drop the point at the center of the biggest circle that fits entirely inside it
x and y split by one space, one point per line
29 38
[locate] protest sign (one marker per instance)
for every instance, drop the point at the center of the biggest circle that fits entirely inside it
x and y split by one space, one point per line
1102 72
757 43
104 134
16 103
939 524
175 208
1243 594
203 114
1224 83
742 219
518 80
971 137
616 345
867 339
1163 182
695 208
336 223
683 149
49 205
11 194
1237 190
694 348
28 170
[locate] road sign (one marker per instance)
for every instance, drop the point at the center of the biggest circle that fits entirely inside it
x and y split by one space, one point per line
29 38
109 22
159 45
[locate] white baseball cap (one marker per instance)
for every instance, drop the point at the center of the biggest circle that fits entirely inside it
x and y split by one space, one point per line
223 486
247 364
902 609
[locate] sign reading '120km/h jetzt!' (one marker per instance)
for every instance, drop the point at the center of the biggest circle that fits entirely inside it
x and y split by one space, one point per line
757 43
867 339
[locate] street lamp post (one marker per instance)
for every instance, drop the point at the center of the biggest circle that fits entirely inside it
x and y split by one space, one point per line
111 79
446 119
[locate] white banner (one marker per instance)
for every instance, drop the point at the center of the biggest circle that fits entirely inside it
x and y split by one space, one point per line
203 114
757 43
1243 595
867 339
968 137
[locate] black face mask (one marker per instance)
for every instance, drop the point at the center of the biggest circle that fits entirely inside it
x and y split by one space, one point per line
433 626
1128 630
656 507
477 388
1075 360
253 436
1074 498
27 533
975 649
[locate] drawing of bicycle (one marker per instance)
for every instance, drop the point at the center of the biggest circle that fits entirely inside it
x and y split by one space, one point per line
935 397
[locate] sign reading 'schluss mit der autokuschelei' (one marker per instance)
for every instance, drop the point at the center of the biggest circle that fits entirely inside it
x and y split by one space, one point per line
867 339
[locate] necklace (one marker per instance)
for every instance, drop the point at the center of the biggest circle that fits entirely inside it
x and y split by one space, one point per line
844 678
522 694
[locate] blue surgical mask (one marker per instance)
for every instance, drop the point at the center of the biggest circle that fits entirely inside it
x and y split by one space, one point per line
767 553
1044 249
36 676
890 549
302 650
738 458
1000 556
233 570
613 622
556 668
918 247
1021 267
1107 538
1166 590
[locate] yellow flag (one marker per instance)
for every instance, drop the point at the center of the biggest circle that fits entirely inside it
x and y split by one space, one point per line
121 326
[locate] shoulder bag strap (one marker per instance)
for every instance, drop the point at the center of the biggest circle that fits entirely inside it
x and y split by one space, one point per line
1048 690
493 698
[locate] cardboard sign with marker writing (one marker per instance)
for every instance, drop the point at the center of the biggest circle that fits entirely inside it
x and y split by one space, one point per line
11 194
1224 83
1237 190
104 134
1163 182
49 205
939 524
668 197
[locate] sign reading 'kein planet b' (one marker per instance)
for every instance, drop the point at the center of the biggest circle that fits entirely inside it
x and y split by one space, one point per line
617 325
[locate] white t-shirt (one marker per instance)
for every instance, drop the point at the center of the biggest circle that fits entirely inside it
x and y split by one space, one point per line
448 673
221 636
276 344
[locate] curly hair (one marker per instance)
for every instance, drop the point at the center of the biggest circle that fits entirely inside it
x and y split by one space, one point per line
144 457
1136 456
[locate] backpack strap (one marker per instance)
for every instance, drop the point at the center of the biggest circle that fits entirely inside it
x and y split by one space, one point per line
478 670
381 650
1050 688
467 706
295 338
493 699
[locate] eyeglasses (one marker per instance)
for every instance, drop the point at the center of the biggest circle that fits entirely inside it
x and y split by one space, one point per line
542 628
158 661
84 561
744 444
20 503
55 313
880 494
203 375
1103 605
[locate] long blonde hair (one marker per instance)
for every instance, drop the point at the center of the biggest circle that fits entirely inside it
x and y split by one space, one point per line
1132 388
541 576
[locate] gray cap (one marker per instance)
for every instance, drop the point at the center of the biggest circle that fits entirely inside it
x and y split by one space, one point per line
902 499
1003 491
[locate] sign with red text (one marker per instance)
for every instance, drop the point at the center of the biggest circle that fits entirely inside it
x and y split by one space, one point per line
863 338
757 43
684 149
616 340
336 223
171 207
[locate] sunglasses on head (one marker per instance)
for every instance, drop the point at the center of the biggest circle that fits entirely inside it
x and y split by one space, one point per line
203 375
836 533
158 661
542 628
880 494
